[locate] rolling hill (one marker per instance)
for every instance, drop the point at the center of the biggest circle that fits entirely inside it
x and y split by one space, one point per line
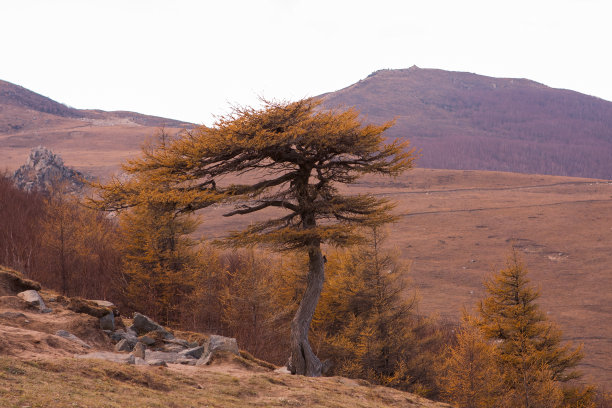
95 139
460 120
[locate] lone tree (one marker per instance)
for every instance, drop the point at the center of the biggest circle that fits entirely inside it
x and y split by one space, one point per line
289 156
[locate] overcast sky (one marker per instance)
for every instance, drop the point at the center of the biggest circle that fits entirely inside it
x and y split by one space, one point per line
190 60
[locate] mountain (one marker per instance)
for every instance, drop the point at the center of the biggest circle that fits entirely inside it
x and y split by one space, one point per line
95 140
460 120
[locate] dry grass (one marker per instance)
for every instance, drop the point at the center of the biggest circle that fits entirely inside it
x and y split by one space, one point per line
457 226
82 383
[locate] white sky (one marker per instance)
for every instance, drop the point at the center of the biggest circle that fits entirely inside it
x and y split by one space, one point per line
190 60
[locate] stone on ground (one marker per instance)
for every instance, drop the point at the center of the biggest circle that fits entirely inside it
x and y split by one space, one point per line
139 350
33 299
123 345
71 337
195 352
217 344
107 322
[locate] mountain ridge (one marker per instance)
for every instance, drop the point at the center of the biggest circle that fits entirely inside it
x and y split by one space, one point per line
466 121
18 96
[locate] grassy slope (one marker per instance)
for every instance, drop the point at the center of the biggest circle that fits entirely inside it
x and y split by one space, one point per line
90 383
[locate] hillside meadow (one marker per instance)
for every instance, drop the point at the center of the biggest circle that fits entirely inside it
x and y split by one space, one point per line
457 227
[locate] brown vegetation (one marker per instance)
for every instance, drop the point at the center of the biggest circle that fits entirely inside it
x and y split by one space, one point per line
55 240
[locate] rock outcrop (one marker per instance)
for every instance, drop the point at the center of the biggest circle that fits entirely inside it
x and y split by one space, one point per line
44 171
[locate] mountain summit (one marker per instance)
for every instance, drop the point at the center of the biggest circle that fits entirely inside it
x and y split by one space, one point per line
461 120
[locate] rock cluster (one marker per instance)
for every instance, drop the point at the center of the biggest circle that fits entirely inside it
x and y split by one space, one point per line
145 342
44 170
149 343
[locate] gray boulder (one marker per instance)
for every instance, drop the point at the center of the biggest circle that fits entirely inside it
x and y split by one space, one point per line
139 350
158 363
221 343
71 337
168 357
142 324
120 334
107 322
146 340
109 356
195 352
218 344
123 345
32 298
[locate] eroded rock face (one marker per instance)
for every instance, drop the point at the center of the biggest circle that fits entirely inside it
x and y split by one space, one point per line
44 170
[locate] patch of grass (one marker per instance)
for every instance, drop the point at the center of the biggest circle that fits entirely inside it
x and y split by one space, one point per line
248 356
69 383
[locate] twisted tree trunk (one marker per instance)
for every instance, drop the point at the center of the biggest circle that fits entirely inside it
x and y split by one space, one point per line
303 361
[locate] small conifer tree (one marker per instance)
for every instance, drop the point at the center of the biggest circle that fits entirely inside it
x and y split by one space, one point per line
531 357
469 376
160 261
365 323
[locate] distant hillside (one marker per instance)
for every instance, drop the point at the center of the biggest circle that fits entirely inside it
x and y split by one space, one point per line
92 140
17 96
461 120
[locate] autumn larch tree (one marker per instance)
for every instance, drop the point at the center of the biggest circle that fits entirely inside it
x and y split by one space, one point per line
532 359
469 375
290 156
364 320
